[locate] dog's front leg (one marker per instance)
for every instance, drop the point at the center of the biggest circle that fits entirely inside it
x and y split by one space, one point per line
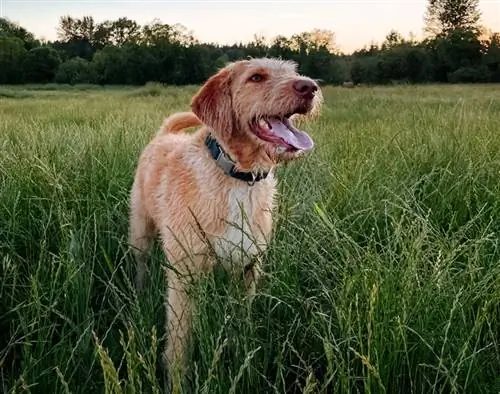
179 313
252 275
179 308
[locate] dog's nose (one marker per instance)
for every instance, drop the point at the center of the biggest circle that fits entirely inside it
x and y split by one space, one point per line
305 88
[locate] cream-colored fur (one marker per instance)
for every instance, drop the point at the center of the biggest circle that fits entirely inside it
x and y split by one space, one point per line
181 194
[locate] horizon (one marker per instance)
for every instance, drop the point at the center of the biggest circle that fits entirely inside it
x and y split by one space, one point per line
41 17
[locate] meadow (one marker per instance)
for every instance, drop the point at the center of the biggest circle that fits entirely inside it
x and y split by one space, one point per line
383 277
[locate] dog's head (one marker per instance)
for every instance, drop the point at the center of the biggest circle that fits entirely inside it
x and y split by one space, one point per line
251 104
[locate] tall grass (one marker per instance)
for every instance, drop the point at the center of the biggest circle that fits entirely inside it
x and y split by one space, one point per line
383 277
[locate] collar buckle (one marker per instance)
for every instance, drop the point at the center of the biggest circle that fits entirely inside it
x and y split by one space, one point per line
253 180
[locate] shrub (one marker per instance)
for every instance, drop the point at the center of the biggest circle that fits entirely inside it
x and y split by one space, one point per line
76 71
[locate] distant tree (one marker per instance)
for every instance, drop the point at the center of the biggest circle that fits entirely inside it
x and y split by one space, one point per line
40 64
110 65
184 36
323 39
371 50
458 49
123 52
79 37
196 64
74 47
259 40
491 58
124 31
365 69
281 47
444 16
221 61
258 47
158 33
323 66
170 58
12 57
76 70
313 40
141 65
74 28
418 63
392 40
10 29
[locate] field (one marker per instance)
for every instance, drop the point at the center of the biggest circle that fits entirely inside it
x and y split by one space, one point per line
383 277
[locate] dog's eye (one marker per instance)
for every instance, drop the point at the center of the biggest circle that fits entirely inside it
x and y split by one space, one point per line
256 78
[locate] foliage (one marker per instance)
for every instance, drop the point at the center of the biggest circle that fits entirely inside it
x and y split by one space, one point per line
492 57
12 57
76 71
124 52
10 29
444 16
41 64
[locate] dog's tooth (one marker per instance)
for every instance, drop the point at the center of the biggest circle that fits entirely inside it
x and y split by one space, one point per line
264 123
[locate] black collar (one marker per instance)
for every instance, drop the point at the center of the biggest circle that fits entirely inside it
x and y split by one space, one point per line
228 165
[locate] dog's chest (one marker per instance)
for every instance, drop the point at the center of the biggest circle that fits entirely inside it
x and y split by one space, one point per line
248 225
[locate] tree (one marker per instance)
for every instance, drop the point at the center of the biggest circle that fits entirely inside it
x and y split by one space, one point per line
365 69
281 47
392 40
257 47
492 57
79 37
124 31
141 64
12 55
122 51
41 64
10 29
158 33
444 16
76 70
74 28
75 47
323 39
313 40
458 49
110 64
102 34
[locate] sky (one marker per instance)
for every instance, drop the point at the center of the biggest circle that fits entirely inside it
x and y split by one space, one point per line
356 23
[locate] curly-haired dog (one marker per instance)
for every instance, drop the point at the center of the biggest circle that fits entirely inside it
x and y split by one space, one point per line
211 193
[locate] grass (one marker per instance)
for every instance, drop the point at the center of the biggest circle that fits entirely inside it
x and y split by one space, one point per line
384 275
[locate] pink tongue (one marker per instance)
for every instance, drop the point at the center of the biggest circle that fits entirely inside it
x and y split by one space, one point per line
298 139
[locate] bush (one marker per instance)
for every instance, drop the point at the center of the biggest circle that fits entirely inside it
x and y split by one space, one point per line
41 64
76 71
469 75
12 55
365 69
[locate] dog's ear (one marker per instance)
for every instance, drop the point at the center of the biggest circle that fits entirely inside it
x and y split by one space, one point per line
213 103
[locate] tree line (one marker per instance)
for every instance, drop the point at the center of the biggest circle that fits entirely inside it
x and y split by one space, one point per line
123 52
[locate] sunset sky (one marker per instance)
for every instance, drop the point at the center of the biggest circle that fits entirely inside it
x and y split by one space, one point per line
355 23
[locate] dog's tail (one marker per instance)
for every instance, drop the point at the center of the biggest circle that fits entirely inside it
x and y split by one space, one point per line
179 121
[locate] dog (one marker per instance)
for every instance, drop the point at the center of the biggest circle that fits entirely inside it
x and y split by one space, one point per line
210 194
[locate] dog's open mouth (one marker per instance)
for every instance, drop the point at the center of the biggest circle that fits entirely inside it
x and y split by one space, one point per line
280 131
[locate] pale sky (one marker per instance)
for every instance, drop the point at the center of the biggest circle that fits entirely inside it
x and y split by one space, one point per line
355 22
